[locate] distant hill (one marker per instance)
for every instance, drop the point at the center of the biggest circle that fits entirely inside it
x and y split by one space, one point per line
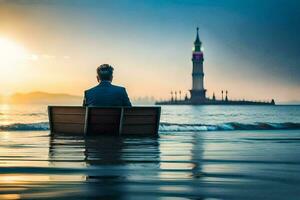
59 99
44 98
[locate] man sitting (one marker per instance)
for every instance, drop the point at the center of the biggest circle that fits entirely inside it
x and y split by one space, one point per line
106 94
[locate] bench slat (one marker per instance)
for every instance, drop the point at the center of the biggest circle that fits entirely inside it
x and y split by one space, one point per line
100 119
68 110
68 128
104 111
140 111
134 119
74 118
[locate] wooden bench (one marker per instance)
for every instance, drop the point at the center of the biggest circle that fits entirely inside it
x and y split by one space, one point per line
104 120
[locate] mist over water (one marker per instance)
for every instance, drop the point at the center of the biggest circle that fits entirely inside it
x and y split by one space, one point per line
260 161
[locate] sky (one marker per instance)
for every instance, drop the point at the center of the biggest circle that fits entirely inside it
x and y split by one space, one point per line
251 47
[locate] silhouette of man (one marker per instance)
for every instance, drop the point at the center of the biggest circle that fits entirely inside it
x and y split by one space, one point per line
106 94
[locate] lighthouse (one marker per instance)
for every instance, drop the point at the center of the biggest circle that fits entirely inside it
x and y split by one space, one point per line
197 91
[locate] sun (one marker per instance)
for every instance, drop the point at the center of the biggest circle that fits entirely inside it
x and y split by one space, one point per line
13 61
11 53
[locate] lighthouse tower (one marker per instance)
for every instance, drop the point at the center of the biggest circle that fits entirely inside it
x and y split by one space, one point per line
198 91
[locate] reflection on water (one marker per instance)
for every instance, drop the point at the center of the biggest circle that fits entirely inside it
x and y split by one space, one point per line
219 165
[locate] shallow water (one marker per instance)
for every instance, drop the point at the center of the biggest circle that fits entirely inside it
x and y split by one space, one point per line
186 165
185 162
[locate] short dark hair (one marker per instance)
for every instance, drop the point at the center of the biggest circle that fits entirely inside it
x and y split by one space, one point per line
105 72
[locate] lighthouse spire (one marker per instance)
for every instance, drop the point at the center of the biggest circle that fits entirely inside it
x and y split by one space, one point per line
197 37
197 42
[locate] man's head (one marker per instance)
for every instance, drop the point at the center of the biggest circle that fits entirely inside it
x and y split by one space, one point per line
105 72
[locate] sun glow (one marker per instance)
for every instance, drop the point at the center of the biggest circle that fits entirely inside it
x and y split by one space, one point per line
11 53
13 58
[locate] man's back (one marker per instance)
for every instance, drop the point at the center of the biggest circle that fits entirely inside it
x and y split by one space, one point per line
106 94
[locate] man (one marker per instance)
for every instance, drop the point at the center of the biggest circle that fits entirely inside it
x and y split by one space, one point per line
106 94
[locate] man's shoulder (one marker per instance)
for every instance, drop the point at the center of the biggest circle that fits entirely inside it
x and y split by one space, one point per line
112 87
91 89
118 87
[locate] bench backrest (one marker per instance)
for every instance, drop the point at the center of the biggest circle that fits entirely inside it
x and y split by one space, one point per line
66 119
140 120
104 120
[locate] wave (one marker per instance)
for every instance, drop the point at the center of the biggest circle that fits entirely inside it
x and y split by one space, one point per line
173 127
39 126
34 114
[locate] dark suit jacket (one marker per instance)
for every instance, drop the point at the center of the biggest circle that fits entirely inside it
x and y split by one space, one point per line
106 94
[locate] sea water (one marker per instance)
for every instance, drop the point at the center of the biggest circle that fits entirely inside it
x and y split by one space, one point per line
202 152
